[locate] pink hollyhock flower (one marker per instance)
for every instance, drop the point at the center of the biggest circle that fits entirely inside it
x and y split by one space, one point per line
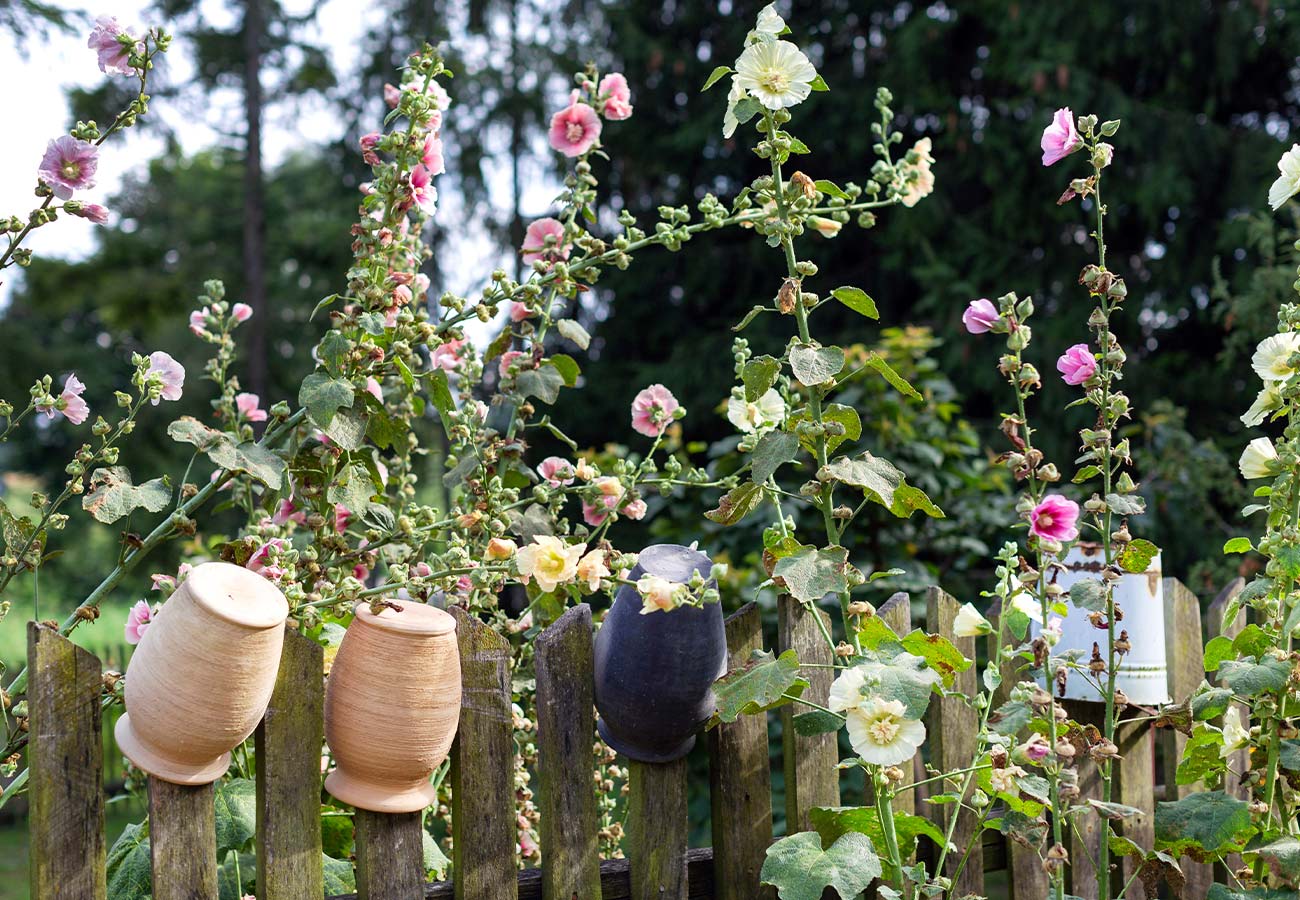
137 621
618 98
507 358
368 143
342 516
574 129
980 316
594 515
1055 518
1036 749
1077 364
113 53
653 409
421 282
242 312
441 100
423 192
74 408
447 356
635 509
432 155
535 247
392 96
287 512
248 406
402 295
199 322
69 165
374 390
258 562
1060 139
556 471
519 312
170 371
421 570
93 212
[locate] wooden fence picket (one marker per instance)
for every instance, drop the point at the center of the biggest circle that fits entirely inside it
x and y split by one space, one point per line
1238 761
657 827
811 776
182 841
390 855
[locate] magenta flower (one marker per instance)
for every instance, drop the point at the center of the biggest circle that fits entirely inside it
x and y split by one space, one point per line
574 129
137 620
170 371
980 316
423 193
431 156
507 358
1060 139
113 53
342 516
287 512
69 165
1055 518
249 407
259 561
618 98
92 212
242 312
535 247
1077 364
556 471
653 409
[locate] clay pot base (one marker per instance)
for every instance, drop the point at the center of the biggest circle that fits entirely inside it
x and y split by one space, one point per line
640 756
159 766
379 798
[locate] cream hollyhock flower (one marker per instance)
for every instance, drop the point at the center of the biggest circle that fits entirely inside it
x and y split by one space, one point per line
768 23
1004 780
592 568
1234 735
969 622
1271 357
1028 605
1268 399
846 690
549 560
775 73
658 594
881 734
1258 459
501 548
1288 183
915 189
763 415
729 120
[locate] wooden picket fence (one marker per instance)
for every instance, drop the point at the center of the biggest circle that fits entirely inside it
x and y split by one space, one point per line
67 800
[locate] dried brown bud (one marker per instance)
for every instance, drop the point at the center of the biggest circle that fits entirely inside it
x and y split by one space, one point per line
805 184
1103 750
844 650
87 613
787 296
861 608
1122 644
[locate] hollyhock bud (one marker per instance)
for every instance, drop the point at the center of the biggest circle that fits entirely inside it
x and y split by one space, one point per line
980 316
618 97
241 312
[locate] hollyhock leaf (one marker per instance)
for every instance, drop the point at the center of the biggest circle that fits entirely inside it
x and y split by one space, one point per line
818 84
874 633
1089 594
435 860
1011 716
1126 504
857 300
353 488
812 574
249 456
568 368
1217 650
885 573
18 533
833 822
462 470
1252 641
440 394
753 313
111 494
737 503
939 653
236 813
1085 473
909 499
544 382
1289 755
1137 556
896 381
1223 892
1238 545
773 450
714 76
1036 787
129 867
340 878
816 365
1289 558
533 522
1201 757
872 474
759 374
905 678
348 429
816 722
500 344
189 430
746 109
408 378
570 329
1116 812
831 189
1211 822
385 430
1283 858
758 685
332 351
1024 829
1210 703
372 323
1246 679
801 870
796 145
323 396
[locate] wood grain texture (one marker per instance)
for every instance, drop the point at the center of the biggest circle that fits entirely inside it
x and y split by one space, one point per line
182 841
1184 652
1085 832
1239 761
811 776
288 748
657 826
482 767
390 855
566 728
1135 786
740 780
66 764
953 727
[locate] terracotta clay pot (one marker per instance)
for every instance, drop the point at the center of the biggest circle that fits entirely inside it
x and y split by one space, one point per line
392 703
655 672
201 677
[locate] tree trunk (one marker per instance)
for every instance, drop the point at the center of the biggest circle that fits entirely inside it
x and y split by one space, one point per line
254 203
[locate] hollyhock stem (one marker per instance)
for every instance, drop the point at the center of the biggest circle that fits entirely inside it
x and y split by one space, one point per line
885 810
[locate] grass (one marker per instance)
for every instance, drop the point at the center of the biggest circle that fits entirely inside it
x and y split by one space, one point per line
13 845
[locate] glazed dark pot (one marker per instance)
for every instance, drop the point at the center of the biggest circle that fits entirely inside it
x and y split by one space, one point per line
655 672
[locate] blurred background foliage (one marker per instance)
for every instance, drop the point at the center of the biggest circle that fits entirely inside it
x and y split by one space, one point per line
1207 90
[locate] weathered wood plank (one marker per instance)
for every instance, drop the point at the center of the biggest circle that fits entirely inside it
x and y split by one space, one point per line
182 841
1184 652
566 797
657 827
66 760
1085 832
1135 786
482 767
811 776
1238 761
288 748
740 780
390 855
953 735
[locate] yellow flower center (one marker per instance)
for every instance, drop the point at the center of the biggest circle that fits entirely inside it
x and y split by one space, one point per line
70 169
884 730
774 81
1044 520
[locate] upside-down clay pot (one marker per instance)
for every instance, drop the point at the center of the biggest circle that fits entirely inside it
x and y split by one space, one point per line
392 703
202 674
655 672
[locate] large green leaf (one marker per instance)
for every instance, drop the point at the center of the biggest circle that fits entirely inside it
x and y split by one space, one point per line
904 677
236 813
1089 594
323 396
128 866
1249 678
844 416
1137 556
353 487
896 381
881 480
816 365
221 448
810 575
758 685
1223 892
759 375
737 503
855 299
773 450
435 861
339 877
1201 756
801 870
938 653
111 494
544 382
1283 857
833 822
1210 823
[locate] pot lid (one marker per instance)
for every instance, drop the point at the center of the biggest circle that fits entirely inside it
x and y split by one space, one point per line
237 595
410 617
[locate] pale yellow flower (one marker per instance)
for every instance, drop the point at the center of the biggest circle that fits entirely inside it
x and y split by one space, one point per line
1288 183
549 560
1271 357
969 622
881 733
592 568
1258 460
1235 736
775 73
827 228
762 415
1267 400
921 185
658 594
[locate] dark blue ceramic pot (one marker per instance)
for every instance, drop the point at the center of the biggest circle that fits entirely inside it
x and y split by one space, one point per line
655 672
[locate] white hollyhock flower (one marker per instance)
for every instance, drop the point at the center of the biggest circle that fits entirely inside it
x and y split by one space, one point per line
969 623
1288 183
1234 735
1269 399
775 73
1028 605
846 690
729 120
1257 460
881 733
1270 359
764 414
769 23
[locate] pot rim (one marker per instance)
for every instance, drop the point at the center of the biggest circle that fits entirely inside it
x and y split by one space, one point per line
237 595
414 618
